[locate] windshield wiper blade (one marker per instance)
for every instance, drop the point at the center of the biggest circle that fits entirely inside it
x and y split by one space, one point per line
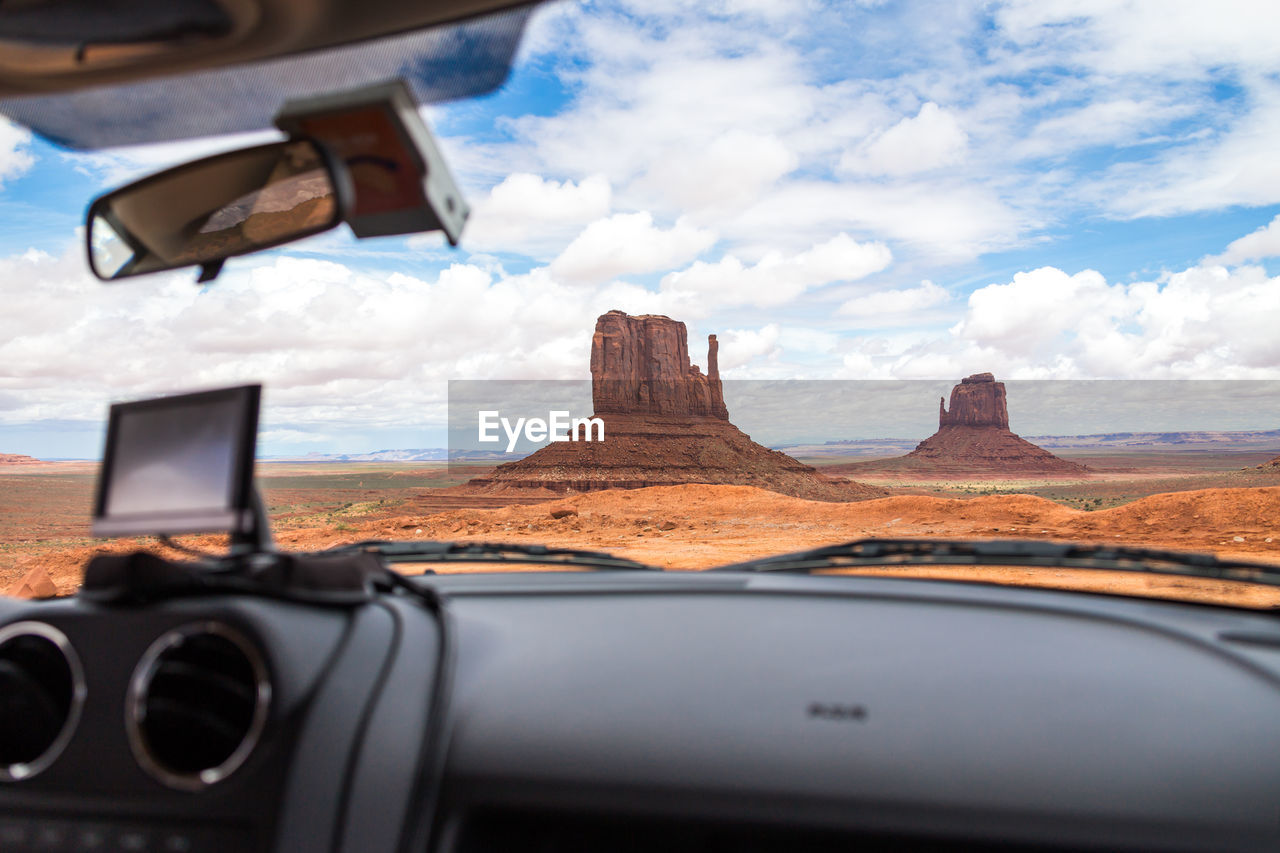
1011 552
432 551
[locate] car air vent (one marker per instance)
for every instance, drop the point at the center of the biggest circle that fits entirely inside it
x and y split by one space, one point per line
197 704
41 693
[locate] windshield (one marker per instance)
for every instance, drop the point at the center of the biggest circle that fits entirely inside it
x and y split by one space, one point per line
740 278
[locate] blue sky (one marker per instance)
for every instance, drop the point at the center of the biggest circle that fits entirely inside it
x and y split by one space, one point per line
837 190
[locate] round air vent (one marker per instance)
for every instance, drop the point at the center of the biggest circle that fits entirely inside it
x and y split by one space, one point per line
41 694
197 705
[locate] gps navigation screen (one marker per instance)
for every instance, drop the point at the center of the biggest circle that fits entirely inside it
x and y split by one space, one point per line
178 464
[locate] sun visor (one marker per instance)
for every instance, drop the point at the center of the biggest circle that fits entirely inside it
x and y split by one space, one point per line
438 64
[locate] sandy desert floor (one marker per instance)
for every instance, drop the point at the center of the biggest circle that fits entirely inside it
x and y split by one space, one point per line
681 527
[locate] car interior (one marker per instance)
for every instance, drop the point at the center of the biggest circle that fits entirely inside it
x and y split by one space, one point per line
366 698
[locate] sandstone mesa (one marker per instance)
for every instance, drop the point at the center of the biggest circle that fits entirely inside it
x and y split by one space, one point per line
666 423
973 440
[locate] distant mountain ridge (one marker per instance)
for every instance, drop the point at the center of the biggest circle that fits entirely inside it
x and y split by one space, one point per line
1186 440
427 454
1146 439
1183 440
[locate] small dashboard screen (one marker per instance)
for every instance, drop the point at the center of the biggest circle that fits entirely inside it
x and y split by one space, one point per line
178 464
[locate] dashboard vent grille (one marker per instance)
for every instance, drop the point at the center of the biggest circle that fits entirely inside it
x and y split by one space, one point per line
41 693
197 705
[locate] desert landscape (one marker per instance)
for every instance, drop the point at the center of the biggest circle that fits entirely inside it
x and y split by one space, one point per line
45 529
679 486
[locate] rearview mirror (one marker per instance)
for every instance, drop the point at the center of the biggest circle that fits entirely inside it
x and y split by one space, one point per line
201 213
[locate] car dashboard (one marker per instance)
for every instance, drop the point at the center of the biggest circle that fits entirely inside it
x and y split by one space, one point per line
641 710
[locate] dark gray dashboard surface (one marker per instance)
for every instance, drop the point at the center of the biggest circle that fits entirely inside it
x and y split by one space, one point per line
908 707
806 704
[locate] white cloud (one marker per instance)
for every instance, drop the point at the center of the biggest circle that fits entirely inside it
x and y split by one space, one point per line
1202 322
117 166
927 141
1174 37
15 152
683 114
770 10
808 340
741 346
1263 243
292 436
530 214
1232 166
734 169
941 219
333 345
628 243
1193 83
776 279
1120 122
1030 314
751 120
903 301
646 100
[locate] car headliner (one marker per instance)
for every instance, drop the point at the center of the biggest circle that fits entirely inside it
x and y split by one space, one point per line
442 63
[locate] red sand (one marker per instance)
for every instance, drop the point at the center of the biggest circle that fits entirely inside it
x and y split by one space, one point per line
696 526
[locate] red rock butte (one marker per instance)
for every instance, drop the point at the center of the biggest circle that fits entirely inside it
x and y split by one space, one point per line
665 424
973 441
978 401
640 366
